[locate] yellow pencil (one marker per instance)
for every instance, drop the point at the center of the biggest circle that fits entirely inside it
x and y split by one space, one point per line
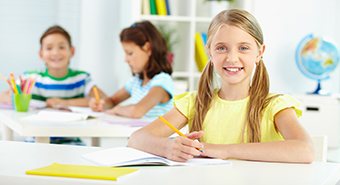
175 129
13 84
96 94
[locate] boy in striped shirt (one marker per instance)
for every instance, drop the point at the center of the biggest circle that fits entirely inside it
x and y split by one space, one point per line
59 85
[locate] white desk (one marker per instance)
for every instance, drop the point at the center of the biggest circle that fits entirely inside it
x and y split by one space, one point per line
94 128
18 157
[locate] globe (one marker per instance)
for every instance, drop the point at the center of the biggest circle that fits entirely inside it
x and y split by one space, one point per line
316 58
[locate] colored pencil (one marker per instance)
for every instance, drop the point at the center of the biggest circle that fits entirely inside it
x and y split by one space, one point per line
27 86
18 87
175 129
31 87
13 84
23 85
4 79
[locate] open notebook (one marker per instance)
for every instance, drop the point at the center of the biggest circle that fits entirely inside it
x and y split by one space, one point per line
82 171
56 116
80 110
125 156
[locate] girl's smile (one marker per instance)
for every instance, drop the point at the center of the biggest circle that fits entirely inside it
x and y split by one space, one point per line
232 70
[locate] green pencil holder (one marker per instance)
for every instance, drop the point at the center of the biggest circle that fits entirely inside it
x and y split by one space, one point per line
22 102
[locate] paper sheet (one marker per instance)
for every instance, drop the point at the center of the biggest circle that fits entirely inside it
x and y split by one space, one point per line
122 156
54 116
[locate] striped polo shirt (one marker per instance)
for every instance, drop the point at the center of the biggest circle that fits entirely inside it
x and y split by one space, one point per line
137 92
76 84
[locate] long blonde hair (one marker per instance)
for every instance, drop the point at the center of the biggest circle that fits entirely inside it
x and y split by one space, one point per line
259 90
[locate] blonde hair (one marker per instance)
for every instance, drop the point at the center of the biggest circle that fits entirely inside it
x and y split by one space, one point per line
259 90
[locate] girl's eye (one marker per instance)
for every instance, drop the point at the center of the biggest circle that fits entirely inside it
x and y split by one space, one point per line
129 54
221 48
243 48
48 48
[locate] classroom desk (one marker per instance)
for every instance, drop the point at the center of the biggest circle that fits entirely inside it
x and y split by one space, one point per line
18 157
42 132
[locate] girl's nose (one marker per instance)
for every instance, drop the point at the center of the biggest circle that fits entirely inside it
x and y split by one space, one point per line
126 59
232 56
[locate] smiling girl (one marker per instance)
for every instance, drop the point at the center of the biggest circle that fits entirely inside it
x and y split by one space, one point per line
237 119
151 88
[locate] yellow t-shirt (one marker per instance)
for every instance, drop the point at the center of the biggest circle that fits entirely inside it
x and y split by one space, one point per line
224 121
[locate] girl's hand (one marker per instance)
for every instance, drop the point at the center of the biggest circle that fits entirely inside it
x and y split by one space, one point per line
95 106
181 149
210 150
195 135
113 110
56 102
216 151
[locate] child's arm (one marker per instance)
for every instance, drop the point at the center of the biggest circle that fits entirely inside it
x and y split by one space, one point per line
156 95
117 98
5 97
297 146
80 102
153 138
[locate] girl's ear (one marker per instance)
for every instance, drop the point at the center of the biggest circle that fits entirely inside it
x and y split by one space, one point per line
147 48
262 49
208 50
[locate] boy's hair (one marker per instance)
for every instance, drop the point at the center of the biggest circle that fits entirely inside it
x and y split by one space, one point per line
259 90
56 29
142 32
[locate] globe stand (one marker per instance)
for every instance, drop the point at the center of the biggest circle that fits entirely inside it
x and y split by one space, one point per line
320 91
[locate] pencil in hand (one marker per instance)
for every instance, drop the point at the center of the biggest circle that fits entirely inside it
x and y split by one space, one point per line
175 129
97 96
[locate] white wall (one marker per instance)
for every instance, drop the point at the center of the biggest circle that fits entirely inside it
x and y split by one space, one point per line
284 24
100 50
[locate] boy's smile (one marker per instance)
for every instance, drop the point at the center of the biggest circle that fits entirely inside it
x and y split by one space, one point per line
56 52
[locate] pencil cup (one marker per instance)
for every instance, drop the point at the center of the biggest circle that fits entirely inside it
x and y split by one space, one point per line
22 102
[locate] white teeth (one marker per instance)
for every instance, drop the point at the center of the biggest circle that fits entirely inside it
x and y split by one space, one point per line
233 69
